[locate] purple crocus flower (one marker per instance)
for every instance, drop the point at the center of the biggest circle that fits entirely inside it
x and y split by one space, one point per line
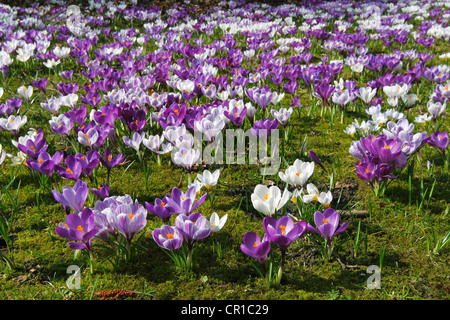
33 148
263 128
61 125
324 91
40 84
45 163
168 237
236 115
283 231
193 227
439 140
184 203
73 170
92 99
72 197
109 161
161 209
79 228
256 248
88 162
327 224
366 170
102 191
262 99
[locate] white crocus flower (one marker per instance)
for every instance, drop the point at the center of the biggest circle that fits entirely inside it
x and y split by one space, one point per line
216 223
208 179
423 118
409 99
61 52
324 198
187 86
13 123
25 92
269 200
69 100
50 63
366 94
396 90
297 174
436 109
17 160
198 186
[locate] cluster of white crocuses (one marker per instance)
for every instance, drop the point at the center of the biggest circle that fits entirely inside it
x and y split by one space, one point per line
269 200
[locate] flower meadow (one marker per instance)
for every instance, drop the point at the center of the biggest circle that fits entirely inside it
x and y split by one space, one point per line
114 116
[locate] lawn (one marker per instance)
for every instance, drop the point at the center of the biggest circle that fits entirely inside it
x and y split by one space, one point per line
116 126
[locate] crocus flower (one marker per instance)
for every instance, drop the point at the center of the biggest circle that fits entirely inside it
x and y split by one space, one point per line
32 147
193 227
88 138
61 124
88 162
268 200
168 237
184 203
208 179
127 218
186 157
2 154
109 161
256 248
40 84
102 191
282 115
13 123
25 92
327 224
161 209
79 228
283 231
45 163
73 170
216 223
324 198
135 141
53 104
263 128
439 140
72 197
297 174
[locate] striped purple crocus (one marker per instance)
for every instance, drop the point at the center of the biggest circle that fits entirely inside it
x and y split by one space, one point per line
168 237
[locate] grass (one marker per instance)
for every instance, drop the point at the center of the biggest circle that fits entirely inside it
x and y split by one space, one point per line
404 232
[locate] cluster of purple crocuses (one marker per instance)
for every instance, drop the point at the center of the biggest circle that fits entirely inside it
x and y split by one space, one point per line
282 233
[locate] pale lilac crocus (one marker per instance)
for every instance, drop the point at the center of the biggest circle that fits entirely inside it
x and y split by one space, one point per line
72 197
184 202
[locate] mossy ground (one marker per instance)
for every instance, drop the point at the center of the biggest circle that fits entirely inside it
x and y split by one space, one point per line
410 270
